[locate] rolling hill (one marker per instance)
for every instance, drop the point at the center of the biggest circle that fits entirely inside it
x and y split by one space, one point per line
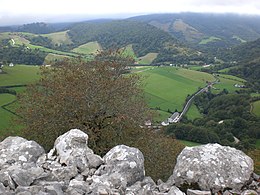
192 28
149 44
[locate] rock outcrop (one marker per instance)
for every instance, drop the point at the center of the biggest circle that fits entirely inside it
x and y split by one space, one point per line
72 168
213 167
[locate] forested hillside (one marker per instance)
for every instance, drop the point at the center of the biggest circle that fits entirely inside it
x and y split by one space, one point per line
144 38
215 30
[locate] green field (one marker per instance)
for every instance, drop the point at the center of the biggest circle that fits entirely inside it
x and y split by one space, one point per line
231 77
208 40
59 38
167 87
54 57
255 94
88 48
228 83
193 113
19 75
257 144
189 143
5 116
256 108
239 39
129 51
148 58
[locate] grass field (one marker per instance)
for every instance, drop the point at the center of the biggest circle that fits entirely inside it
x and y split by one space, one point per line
4 115
257 144
128 51
167 87
54 57
239 39
256 108
19 75
148 58
88 48
208 40
255 94
228 83
193 113
189 143
59 38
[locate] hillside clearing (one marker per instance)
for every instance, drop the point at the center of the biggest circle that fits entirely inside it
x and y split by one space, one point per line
148 58
59 38
88 48
208 40
256 108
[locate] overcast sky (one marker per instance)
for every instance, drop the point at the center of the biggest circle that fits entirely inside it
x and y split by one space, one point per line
26 11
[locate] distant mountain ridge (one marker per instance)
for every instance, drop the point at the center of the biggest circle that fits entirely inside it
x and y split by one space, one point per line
192 28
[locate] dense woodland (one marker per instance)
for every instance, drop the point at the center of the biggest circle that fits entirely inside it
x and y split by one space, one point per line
225 116
20 54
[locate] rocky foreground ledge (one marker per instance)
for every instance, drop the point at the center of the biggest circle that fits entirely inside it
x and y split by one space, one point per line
72 168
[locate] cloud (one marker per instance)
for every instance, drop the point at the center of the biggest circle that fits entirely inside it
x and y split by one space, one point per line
48 10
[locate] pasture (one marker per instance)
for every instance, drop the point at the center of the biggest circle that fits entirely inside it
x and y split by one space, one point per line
59 38
228 82
256 108
13 76
148 58
208 40
88 48
19 75
166 88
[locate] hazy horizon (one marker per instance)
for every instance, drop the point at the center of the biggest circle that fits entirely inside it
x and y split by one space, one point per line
16 12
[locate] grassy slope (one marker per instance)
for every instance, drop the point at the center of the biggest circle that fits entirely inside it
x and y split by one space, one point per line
189 143
193 113
59 37
256 108
167 87
19 75
19 40
5 116
228 83
54 57
148 58
208 40
88 48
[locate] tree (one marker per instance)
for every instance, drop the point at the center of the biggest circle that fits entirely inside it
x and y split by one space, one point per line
94 96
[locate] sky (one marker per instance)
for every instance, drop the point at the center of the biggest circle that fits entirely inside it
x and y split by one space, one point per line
27 11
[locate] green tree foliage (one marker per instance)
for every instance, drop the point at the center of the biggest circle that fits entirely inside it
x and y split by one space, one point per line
93 96
144 37
20 54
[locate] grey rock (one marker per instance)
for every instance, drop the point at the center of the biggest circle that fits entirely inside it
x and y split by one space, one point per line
22 177
94 161
77 187
17 150
175 191
71 149
32 189
198 192
6 179
249 192
213 167
64 173
127 161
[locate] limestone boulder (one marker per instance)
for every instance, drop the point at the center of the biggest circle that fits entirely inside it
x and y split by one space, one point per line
71 149
212 167
18 151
